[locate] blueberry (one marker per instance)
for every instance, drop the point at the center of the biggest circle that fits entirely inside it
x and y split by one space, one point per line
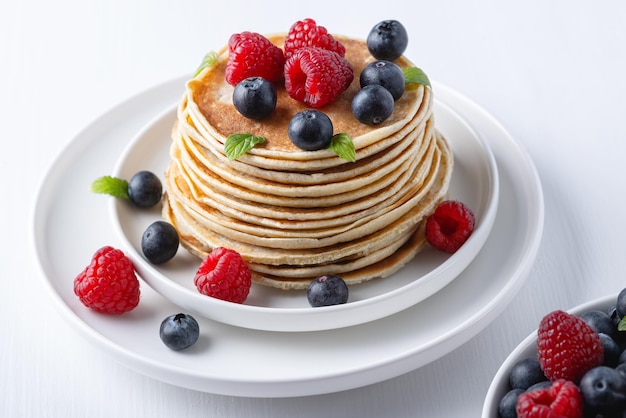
506 407
620 303
603 389
327 290
385 73
600 321
387 40
145 189
526 373
179 331
611 350
310 130
159 242
541 385
255 98
372 104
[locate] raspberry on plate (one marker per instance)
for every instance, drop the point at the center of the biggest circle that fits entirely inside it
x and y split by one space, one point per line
450 226
317 76
562 399
108 284
224 275
567 346
251 54
305 33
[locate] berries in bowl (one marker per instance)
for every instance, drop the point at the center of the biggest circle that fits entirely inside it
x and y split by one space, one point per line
572 366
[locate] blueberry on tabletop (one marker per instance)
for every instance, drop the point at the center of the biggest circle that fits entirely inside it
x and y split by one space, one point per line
387 40
179 331
255 98
310 130
372 104
145 189
327 290
386 74
159 242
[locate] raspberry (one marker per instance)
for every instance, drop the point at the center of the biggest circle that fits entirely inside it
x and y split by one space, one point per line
108 284
305 33
567 346
450 226
253 55
224 275
562 400
316 76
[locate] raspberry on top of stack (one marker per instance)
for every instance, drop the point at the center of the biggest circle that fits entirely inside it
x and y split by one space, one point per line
295 212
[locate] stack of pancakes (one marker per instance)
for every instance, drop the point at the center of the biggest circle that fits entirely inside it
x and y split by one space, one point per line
294 215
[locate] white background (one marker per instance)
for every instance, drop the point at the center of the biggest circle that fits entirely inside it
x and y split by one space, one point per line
552 72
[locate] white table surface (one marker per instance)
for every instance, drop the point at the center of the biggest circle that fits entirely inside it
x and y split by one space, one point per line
552 72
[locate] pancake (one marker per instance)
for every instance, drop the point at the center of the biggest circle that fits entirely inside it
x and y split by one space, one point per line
294 215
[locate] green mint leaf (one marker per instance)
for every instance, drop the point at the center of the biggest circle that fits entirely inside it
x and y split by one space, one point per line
622 324
112 186
343 146
238 144
413 76
208 60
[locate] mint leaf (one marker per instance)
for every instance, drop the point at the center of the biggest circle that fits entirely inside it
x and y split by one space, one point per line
208 60
343 146
622 324
238 144
413 76
112 186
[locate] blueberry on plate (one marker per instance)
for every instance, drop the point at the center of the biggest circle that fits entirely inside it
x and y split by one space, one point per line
255 98
145 189
310 130
385 73
179 331
159 242
372 104
327 290
387 40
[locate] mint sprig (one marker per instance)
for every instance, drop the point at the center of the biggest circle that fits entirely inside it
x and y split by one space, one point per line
238 144
112 186
414 76
343 146
208 60
621 326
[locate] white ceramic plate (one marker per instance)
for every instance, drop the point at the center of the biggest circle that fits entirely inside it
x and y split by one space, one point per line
527 348
70 223
474 181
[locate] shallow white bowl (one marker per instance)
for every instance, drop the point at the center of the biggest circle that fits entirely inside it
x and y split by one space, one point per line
527 348
475 182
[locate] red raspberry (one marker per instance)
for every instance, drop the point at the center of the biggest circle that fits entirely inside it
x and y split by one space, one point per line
450 226
253 55
316 76
224 275
306 33
567 346
561 400
108 284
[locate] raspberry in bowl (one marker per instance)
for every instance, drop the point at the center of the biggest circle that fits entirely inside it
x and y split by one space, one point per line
582 347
